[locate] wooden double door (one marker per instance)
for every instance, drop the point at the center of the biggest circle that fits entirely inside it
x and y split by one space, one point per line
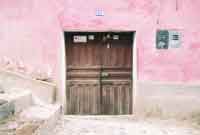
99 73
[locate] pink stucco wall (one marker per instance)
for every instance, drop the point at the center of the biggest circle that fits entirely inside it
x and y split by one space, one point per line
30 31
145 17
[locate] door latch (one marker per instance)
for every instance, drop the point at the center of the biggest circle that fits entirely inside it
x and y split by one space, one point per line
104 74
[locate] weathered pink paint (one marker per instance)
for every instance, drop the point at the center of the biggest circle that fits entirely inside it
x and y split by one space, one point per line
30 31
145 17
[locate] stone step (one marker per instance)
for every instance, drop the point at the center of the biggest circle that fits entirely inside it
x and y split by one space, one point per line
40 120
13 81
14 102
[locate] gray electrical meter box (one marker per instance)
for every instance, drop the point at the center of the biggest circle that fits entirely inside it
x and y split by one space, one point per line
162 39
168 39
174 39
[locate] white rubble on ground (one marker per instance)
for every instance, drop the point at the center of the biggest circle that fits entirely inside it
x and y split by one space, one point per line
120 125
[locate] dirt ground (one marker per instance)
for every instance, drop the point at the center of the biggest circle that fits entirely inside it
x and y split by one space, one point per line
121 125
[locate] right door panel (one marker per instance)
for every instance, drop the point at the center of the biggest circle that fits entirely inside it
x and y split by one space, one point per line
116 73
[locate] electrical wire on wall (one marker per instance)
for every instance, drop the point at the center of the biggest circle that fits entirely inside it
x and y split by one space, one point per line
159 12
177 5
160 8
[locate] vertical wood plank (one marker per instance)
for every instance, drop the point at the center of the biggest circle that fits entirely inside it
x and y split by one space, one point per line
115 100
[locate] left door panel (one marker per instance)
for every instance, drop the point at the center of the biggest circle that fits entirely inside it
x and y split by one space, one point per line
83 73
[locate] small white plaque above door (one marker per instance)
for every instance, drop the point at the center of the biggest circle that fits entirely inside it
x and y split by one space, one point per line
80 39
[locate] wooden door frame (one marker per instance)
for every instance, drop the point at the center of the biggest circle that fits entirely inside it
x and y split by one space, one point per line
134 69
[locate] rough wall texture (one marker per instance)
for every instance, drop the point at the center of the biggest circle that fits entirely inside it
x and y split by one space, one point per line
31 31
145 17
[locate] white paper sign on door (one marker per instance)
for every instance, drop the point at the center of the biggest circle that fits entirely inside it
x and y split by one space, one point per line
80 39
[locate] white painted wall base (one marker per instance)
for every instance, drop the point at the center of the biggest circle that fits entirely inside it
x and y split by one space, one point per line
167 100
